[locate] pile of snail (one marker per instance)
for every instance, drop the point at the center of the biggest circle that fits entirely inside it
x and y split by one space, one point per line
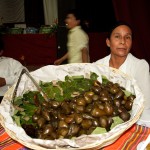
82 114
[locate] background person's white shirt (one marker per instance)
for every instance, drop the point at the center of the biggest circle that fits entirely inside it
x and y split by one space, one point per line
10 69
77 40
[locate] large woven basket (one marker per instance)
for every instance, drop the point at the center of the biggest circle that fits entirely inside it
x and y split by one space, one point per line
49 73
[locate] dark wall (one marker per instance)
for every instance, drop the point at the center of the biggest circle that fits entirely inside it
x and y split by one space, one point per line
99 14
137 14
34 15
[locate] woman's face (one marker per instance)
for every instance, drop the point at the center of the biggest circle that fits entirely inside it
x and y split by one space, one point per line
71 21
120 41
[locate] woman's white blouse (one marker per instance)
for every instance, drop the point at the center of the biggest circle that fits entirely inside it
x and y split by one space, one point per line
139 70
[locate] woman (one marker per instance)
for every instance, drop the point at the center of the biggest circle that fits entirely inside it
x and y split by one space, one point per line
120 42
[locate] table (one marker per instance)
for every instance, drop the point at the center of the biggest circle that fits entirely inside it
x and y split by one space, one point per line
128 141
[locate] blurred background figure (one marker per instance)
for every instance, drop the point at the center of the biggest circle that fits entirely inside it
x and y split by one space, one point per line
10 70
78 40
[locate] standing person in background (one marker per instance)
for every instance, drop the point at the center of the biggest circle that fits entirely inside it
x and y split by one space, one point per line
120 42
78 41
10 70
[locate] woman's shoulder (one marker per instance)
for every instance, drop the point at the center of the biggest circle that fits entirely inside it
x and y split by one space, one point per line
137 60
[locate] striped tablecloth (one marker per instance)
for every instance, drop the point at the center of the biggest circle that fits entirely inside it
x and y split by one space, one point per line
6 143
128 141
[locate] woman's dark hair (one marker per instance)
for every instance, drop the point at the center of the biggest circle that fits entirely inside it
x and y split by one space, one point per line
119 23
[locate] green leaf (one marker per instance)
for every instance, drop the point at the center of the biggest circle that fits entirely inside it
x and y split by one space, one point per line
117 120
29 109
99 130
24 121
104 80
29 96
15 111
76 77
17 120
127 93
93 76
18 101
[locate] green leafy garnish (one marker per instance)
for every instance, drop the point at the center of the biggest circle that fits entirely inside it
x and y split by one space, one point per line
64 90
